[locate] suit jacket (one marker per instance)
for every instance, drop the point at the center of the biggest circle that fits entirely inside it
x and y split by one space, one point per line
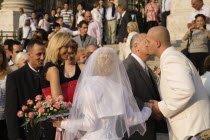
184 102
122 28
144 89
21 85
89 40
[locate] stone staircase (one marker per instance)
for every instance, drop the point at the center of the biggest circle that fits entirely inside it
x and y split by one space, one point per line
154 61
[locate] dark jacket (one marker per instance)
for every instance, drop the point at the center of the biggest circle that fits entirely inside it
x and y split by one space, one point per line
122 28
144 89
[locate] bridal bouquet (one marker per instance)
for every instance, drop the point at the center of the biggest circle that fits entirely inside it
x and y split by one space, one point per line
41 110
157 71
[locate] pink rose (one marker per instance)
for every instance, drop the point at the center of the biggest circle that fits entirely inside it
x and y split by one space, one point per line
41 110
38 104
24 108
157 72
48 97
57 105
65 104
70 104
38 98
50 102
30 102
59 98
20 114
31 115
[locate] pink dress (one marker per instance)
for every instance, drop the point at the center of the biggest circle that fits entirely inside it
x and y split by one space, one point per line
152 12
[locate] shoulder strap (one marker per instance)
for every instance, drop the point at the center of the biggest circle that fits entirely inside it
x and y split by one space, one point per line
189 39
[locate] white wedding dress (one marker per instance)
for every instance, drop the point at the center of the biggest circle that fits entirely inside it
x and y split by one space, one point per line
103 106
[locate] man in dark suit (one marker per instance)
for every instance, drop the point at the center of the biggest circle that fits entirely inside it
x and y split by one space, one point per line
83 40
21 85
142 82
125 17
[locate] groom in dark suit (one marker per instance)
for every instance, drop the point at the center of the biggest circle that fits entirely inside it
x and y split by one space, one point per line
143 83
21 85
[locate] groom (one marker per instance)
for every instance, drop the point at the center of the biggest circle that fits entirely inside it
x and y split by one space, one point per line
184 100
142 82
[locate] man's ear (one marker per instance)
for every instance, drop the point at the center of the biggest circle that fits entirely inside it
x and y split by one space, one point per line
158 44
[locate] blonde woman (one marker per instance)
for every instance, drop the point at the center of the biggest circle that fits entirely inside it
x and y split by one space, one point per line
56 54
132 28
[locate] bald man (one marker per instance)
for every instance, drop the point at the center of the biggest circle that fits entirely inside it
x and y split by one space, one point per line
89 50
184 100
142 81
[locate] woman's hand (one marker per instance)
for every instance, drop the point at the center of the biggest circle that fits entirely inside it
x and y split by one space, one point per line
57 124
150 105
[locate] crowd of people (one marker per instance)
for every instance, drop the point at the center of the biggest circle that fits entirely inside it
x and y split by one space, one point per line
114 97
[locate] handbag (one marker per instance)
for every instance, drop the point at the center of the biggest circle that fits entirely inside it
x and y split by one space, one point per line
185 51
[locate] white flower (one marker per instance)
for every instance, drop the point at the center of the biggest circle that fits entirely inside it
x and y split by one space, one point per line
51 108
55 109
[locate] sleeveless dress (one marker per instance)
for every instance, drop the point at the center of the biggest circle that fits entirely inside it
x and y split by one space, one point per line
68 85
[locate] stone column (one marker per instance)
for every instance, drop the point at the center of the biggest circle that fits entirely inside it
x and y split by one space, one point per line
178 19
9 13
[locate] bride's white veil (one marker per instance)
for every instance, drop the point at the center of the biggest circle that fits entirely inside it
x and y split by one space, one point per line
104 93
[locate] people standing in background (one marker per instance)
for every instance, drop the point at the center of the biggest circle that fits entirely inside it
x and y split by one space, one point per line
4 70
83 40
21 59
7 43
34 22
27 33
22 19
111 17
15 48
80 14
102 9
200 8
44 24
58 12
67 15
52 17
94 28
152 10
125 17
97 16
198 49
166 9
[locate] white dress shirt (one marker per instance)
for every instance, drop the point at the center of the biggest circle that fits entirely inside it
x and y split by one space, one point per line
22 20
205 10
140 61
95 30
206 82
44 25
109 14
166 5
34 24
97 16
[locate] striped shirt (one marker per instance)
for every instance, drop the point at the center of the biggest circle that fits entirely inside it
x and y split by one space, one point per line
67 16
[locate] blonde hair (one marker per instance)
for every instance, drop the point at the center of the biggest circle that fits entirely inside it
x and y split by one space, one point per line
59 40
80 52
132 26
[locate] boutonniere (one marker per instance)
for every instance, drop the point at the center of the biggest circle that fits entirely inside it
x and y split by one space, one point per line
157 71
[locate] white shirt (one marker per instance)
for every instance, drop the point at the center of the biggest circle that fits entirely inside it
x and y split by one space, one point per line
97 16
22 20
74 33
34 24
44 25
32 68
166 5
205 10
109 14
27 32
139 60
206 82
79 16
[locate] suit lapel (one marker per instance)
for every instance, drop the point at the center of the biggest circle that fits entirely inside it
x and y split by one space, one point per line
142 72
79 41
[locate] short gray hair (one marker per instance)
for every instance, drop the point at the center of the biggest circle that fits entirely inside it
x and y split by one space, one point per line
20 55
134 39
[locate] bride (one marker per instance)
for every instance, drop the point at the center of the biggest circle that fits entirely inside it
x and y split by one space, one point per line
104 107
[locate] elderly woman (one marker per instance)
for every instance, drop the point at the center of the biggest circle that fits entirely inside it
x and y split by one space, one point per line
198 49
206 77
21 59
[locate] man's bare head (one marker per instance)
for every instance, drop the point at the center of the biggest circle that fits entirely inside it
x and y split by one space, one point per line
158 38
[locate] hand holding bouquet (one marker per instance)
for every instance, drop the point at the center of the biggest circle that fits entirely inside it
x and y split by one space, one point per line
41 110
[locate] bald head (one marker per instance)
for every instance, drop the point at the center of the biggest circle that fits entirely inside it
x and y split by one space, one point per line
88 16
161 34
91 48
